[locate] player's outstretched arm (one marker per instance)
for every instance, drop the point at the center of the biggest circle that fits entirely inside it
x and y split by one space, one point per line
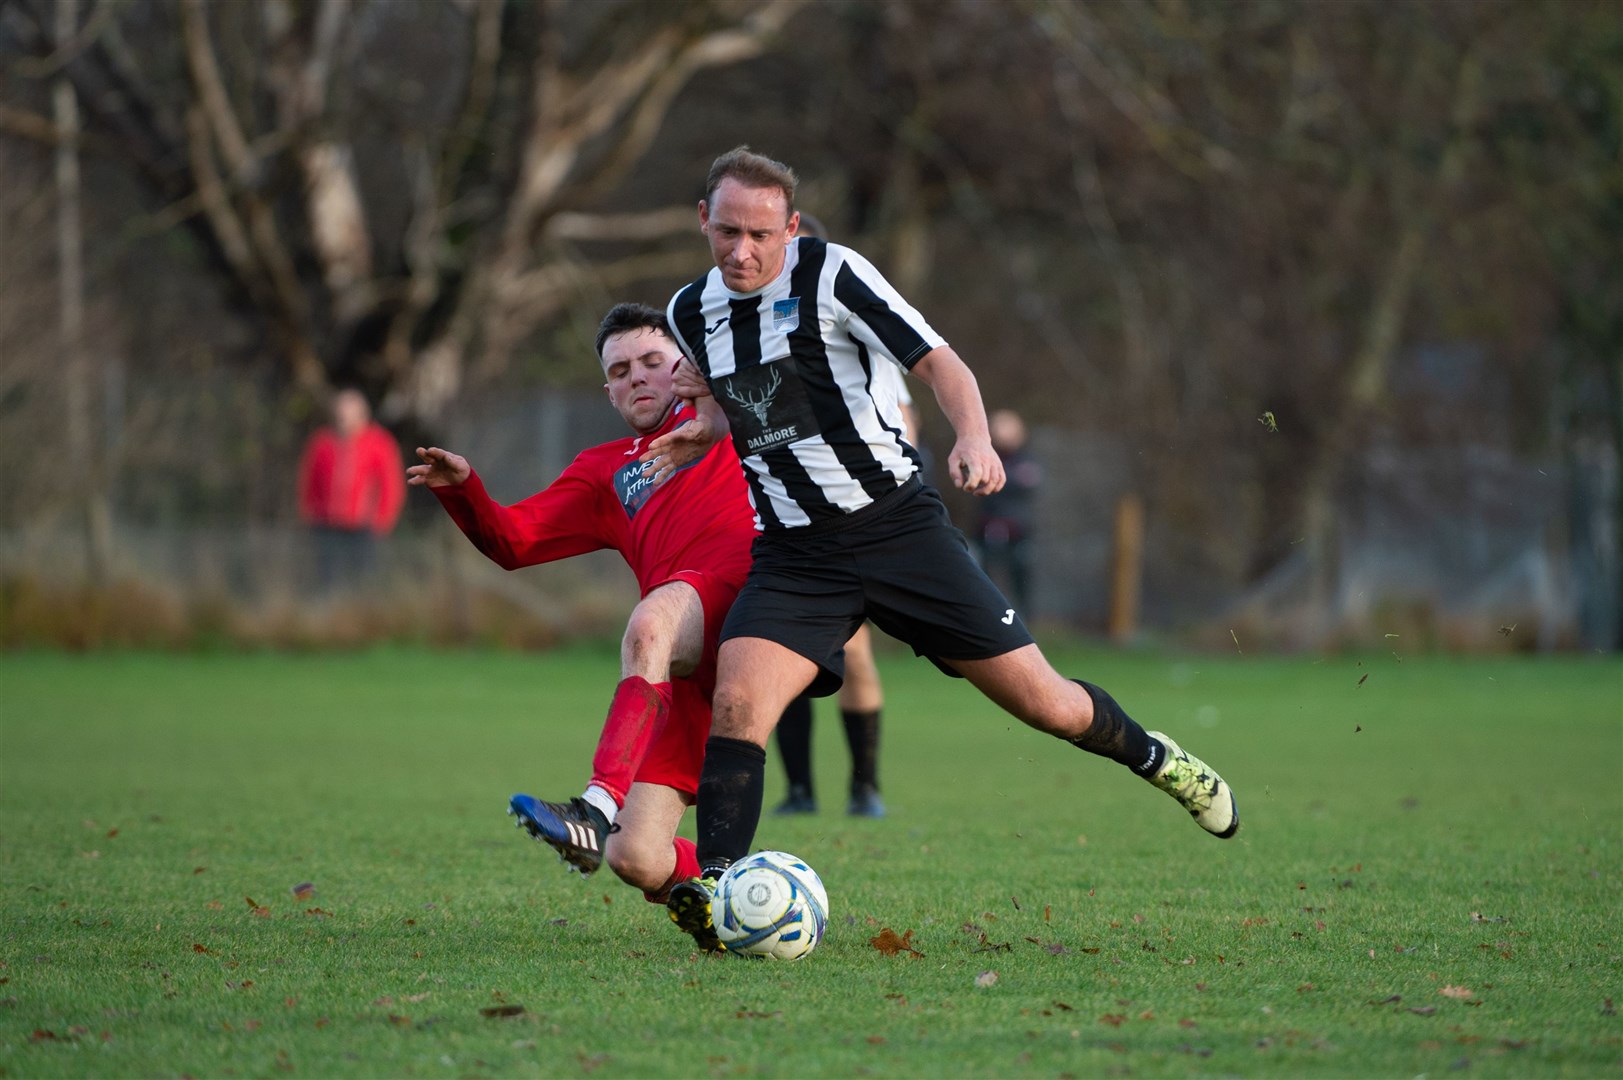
973 464
688 443
439 468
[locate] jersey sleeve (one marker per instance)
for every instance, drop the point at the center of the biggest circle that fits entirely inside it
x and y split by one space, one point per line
877 315
556 523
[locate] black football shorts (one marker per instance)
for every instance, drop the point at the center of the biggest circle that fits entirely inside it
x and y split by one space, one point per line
899 562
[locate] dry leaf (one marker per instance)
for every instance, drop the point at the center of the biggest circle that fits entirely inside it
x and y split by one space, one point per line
502 1010
1113 1019
985 979
304 890
1455 991
888 943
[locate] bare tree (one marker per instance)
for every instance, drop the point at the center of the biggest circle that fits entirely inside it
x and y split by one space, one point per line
382 219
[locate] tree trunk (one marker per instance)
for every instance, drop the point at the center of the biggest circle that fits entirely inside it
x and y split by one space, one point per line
86 480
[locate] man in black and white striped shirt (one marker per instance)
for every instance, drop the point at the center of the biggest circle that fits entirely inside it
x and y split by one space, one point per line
785 333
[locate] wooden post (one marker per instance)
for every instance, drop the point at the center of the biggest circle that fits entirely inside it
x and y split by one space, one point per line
1126 568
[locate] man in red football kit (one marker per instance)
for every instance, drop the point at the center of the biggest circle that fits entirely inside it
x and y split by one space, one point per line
688 542
350 492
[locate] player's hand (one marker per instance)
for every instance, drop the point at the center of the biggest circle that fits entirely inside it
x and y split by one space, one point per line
678 447
975 467
687 382
440 468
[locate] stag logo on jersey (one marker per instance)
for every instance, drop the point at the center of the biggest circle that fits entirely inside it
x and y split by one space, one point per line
786 315
758 401
766 406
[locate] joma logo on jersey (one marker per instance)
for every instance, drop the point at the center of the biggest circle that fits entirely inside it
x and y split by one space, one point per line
786 315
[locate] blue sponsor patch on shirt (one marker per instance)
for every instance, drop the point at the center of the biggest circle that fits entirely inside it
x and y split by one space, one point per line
634 488
786 315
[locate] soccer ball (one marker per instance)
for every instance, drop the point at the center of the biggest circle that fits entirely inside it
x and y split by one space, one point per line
770 904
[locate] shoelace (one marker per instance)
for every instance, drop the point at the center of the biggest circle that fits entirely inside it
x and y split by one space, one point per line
1192 785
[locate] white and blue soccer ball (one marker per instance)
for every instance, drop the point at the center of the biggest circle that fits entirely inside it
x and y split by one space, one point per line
770 904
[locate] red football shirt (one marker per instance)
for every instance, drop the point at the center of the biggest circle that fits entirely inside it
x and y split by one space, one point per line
354 483
700 519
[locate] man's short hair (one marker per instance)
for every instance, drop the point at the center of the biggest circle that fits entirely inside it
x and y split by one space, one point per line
629 316
752 170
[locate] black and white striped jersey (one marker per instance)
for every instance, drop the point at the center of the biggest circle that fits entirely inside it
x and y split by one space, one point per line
793 366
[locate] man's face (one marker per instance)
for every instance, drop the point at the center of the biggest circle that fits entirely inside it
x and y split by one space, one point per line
749 229
638 365
350 412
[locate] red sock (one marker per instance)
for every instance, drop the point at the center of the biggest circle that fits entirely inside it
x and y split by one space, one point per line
687 866
638 710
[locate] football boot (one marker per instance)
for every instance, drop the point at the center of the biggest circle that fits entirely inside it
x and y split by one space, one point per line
800 800
576 829
1198 788
865 802
689 905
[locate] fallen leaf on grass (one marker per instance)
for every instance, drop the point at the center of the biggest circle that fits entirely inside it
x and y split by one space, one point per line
985 979
1113 1019
1455 991
1608 1009
888 943
262 912
1477 916
502 1010
752 1014
304 890
199 948
1393 1000
1424 1010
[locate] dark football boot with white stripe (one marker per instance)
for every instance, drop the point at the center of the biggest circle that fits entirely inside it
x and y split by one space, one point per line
575 829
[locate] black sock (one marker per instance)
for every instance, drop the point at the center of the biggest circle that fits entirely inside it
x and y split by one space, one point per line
730 791
862 736
1114 735
794 743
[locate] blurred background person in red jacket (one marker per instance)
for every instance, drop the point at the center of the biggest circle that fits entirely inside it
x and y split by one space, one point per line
351 488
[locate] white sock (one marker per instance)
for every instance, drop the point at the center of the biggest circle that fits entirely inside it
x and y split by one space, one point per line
600 798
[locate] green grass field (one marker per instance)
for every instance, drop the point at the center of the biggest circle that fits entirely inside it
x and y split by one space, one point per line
1427 880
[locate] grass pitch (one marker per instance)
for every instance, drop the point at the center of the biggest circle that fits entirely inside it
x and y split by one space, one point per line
1427 879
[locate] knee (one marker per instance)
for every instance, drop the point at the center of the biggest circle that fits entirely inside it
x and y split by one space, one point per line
645 643
730 713
640 864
